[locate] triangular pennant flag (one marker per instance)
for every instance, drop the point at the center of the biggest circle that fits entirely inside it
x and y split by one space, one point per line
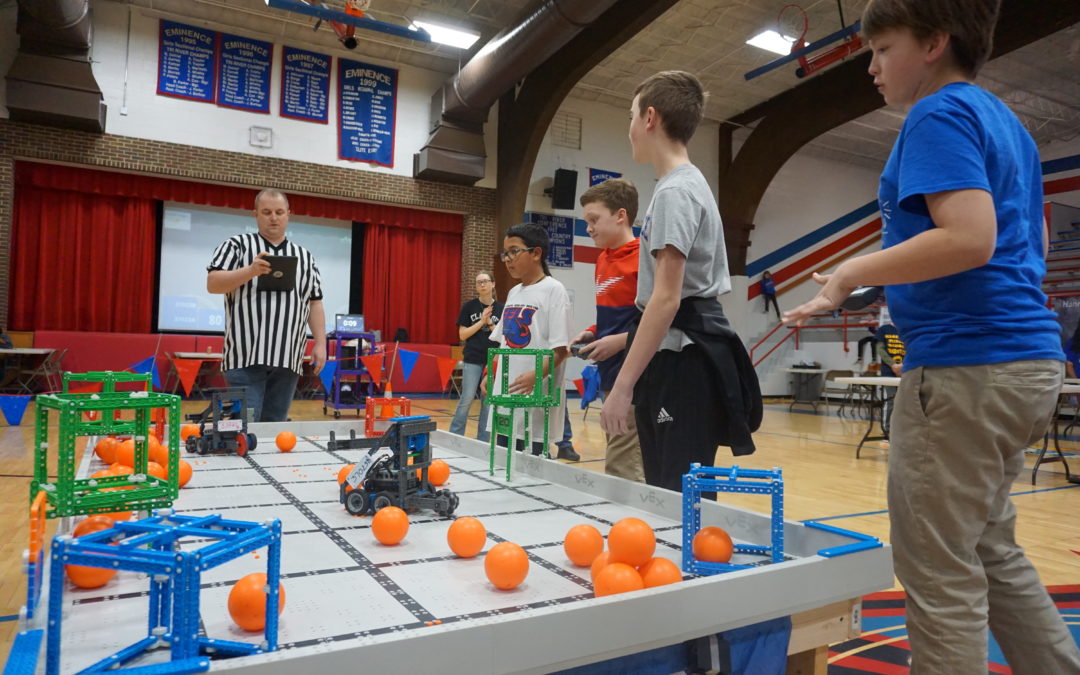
579 384
84 387
147 365
14 407
408 361
446 369
373 364
187 370
327 375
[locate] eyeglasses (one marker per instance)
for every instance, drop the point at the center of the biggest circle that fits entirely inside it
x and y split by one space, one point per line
507 256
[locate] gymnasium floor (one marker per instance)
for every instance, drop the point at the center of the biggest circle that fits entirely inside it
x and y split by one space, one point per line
823 481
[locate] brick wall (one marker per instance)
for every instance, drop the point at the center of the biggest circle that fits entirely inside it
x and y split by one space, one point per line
136 155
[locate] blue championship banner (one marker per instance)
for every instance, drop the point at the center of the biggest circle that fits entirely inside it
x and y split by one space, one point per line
367 105
305 85
186 61
560 231
597 176
244 73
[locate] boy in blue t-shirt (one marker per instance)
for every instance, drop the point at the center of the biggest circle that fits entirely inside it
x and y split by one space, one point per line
964 246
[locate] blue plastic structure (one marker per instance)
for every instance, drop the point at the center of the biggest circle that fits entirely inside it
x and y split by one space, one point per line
149 546
723 479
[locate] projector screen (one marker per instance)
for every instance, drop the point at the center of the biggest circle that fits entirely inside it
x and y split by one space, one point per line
189 236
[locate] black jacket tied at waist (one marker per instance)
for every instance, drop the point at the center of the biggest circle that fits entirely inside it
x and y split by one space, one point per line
703 321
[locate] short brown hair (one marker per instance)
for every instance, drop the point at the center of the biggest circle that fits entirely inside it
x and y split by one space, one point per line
679 98
969 24
272 193
615 194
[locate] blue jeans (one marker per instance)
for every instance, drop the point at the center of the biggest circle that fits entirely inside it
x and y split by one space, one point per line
269 390
567 433
470 384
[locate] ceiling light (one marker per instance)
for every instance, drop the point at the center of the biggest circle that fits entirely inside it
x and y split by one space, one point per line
445 35
772 41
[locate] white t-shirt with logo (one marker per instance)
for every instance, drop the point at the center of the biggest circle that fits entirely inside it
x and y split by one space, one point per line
535 317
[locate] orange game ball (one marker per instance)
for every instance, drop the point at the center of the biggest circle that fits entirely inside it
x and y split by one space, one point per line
106 449
102 473
90 577
582 544
156 470
466 537
184 473
617 578
189 430
389 525
125 453
659 572
159 453
343 473
600 562
439 472
506 565
286 441
247 601
712 544
631 541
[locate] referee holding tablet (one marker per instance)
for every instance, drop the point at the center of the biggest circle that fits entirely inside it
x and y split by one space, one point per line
272 289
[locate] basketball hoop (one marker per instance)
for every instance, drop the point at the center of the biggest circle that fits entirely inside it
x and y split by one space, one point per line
792 22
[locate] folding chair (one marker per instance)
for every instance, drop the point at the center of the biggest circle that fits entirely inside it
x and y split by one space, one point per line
831 387
47 373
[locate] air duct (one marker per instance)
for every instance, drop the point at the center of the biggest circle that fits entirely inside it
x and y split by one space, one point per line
51 81
454 153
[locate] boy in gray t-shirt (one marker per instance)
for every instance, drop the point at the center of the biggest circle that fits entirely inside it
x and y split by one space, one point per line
671 379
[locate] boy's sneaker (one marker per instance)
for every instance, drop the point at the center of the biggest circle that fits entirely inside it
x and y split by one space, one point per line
568 453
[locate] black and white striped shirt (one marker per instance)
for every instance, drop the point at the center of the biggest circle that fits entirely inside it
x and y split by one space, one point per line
268 328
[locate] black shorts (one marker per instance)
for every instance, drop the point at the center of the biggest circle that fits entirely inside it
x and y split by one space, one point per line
680 417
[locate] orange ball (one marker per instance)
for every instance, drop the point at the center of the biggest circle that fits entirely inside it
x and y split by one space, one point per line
90 577
247 601
156 470
152 441
582 544
617 578
189 430
184 472
659 572
343 473
102 473
125 453
119 469
439 472
600 562
159 453
118 515
631 541
286 441
506 565
466 537
106 449
712 544
389 525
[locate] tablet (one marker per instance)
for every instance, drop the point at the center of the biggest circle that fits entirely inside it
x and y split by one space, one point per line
282 276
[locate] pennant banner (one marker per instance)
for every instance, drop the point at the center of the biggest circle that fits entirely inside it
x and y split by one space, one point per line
580 385
327 375
147 365
14 407
373 364
408 362
187 370
446 369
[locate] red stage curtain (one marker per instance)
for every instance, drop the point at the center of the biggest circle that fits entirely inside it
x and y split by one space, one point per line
110 183
82 262
411 281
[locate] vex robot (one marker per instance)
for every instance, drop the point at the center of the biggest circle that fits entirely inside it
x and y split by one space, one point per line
394 472
223 426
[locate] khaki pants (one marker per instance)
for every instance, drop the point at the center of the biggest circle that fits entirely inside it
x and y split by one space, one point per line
623 455
958 439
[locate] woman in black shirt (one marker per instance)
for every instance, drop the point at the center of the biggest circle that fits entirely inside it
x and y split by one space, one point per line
475 321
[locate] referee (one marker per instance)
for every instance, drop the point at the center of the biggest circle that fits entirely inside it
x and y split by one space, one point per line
264 331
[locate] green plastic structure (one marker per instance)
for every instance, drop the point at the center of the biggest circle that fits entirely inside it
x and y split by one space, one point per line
545 394
68 496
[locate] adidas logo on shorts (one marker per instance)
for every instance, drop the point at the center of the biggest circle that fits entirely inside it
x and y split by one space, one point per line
664 417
